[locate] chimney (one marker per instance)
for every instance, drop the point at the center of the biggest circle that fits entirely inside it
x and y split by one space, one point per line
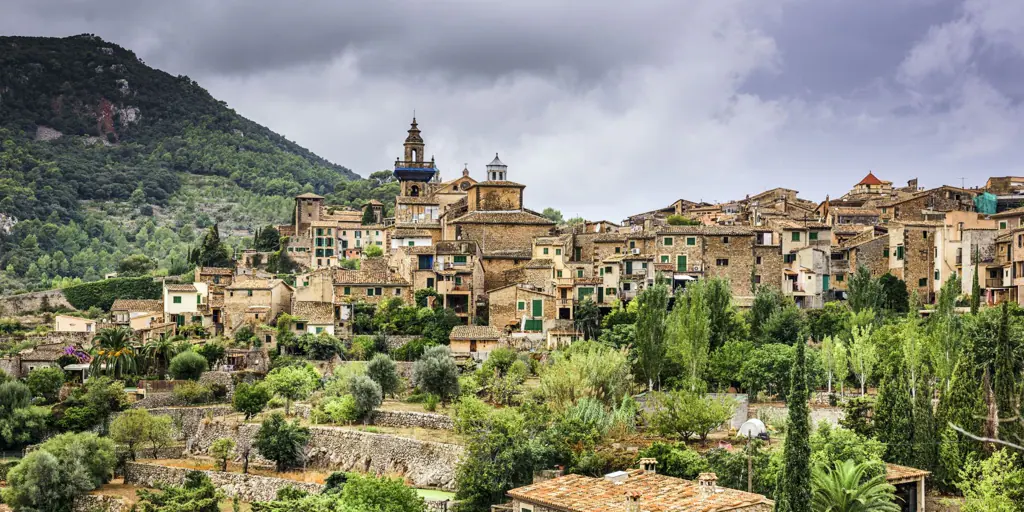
708 483
632 501
649 465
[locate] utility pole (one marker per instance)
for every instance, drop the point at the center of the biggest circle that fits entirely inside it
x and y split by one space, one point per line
750 465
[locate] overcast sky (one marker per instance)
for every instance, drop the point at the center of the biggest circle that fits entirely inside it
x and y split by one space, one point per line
605 108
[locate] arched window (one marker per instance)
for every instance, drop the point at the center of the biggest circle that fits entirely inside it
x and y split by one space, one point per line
414 191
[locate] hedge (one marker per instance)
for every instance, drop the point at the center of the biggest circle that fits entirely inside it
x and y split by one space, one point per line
102 294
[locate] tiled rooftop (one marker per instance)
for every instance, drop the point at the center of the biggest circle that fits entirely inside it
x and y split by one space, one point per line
474 332
137 305
314 312
657 493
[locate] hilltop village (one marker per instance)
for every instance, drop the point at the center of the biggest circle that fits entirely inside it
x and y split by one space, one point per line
459 351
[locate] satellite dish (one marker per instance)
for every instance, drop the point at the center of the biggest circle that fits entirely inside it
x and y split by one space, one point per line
752 428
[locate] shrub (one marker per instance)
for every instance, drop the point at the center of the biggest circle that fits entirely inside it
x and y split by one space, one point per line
683 414
131 428
250 399
212 352
367 395
362 348
430 403
292 383
197 494
676 460
94 453
384 372
46 382
187 365
412 350
437 373
40 482
102 294
192 393
336 409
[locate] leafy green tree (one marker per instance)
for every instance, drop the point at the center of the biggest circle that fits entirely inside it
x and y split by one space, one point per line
498 457
131 429
92 404
588 319
993 484
831 320
785 325
196 494
894 414
384 372
864 292
651 347
281 441
192 393
114 352
437 373
793 493
46 383
863 355
212 252
95 453
157 354
268 239
726 364
187 365
846 488
380 494
221 450
676 460
135 265
367 394
373 251
683 414
768 370
160 433
963 406
553 215
212 351
689 335
250 399
292 383
767 301
894 294
831 445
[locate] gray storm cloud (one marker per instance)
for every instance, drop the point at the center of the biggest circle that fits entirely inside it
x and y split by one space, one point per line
606 108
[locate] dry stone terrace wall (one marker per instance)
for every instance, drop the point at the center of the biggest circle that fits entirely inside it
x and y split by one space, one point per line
24 303
422 463
405 419
247 487
186 420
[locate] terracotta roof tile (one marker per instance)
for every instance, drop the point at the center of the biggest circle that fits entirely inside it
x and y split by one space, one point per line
137 305
314 312
901 474
870 179
657 493
504 217
215 271
372 271
474 332
189 288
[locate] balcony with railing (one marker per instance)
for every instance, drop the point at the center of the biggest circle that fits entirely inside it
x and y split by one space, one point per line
994 282
565 303
564 282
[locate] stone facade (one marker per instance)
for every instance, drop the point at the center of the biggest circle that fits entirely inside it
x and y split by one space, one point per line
247 487
422 463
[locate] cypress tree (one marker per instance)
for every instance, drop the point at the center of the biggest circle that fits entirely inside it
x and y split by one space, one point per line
793 489
894 416
1005 384
975 287
964 406
926 449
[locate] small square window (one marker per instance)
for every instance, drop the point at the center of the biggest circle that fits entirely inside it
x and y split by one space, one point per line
369 292
813 235
558 273
1002 225
722 262
757 260
579 272
796 236
618 250
558 252
840 277
668 240
348 290
757 279
691 240
177 299
664 258
521 305
545 250
923 281
725 239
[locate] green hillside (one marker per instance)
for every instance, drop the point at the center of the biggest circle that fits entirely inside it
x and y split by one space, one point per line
102 156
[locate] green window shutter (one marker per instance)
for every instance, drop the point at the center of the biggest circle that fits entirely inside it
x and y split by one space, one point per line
681 263
412 243
348 290
664 258
521 305
629 267
199 299
824 283
545 250
369 292
458 280
691 241
460 259
319 330
813 235
899 252
538 307
602 271
177 299
607 270
579 272
576 253
923 281
885 252
839 278
559 273
1002 225
796 236
534 325
558 252
937 275
668 240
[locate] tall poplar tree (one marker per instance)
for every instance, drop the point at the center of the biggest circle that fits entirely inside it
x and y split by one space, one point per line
650 332
975 287
926 441
793 489
1005 384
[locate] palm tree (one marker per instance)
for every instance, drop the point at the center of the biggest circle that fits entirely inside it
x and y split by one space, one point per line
158 354
114 353
843 489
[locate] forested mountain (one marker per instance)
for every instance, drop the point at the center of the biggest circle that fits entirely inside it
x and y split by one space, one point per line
100 147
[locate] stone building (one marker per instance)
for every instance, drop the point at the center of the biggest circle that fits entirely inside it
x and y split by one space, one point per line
473 341
912 256
517 308
255 301
374 281
323 234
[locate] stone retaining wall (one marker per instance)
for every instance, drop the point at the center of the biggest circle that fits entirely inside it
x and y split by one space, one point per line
98 503
422 463
246 487
16 305
768 413
405 419
186 420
